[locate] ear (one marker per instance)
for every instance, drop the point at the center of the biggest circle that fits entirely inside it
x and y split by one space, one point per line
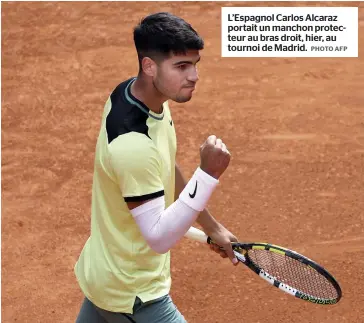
149 67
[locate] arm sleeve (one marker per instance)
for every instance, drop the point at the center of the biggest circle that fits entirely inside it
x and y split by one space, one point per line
163 228
137 167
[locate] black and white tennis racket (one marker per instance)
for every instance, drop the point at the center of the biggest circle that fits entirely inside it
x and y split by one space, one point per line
283 268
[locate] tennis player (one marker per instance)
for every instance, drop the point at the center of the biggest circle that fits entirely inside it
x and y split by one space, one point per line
141 204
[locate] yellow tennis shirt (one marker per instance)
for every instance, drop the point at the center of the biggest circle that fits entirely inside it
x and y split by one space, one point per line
134 161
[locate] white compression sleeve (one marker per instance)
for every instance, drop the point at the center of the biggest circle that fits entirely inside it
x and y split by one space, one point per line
163 228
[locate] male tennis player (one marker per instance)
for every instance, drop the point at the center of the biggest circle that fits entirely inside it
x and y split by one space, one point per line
141 204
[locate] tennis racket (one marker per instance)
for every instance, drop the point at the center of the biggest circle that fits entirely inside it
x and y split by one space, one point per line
283 268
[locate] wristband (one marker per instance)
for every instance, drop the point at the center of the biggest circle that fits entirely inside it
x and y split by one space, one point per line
198 190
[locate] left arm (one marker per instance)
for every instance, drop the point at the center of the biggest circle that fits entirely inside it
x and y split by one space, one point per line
216 231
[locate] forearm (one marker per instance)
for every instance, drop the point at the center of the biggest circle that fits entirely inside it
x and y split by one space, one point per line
161 227
207 221
204 218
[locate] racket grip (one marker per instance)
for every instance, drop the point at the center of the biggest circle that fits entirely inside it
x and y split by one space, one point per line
197 235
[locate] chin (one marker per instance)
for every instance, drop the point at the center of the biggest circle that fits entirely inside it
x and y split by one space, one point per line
182 99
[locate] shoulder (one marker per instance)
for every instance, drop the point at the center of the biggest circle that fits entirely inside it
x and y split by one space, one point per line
119 90
134 147
123 116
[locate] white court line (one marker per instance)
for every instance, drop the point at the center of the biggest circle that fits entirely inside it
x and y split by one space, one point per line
353 239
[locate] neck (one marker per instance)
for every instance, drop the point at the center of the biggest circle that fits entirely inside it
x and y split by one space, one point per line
145 91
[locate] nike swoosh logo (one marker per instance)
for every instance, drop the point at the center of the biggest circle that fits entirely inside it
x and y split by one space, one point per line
170 122
194 192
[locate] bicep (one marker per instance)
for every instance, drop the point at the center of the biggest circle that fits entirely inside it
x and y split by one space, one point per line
136 166
133 205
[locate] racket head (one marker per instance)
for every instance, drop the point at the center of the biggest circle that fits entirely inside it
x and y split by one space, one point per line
290 271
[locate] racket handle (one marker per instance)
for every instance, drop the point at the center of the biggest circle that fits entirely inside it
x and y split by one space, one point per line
197 235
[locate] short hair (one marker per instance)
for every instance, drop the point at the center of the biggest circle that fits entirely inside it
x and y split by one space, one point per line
161 34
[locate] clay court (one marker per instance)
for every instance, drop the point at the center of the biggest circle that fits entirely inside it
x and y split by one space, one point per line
294 127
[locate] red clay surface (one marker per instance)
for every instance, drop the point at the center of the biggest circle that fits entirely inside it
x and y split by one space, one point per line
295 128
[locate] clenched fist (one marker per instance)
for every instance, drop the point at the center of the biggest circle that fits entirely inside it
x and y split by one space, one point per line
215 157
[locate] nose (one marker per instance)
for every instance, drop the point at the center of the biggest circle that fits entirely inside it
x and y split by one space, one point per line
193 76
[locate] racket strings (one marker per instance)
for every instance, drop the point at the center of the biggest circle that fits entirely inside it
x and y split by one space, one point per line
293 273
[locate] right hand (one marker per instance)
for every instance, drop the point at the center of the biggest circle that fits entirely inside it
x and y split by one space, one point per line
215 157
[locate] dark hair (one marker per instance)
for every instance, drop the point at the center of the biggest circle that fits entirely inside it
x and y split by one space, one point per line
161 34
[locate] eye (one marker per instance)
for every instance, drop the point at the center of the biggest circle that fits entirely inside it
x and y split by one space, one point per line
182 66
